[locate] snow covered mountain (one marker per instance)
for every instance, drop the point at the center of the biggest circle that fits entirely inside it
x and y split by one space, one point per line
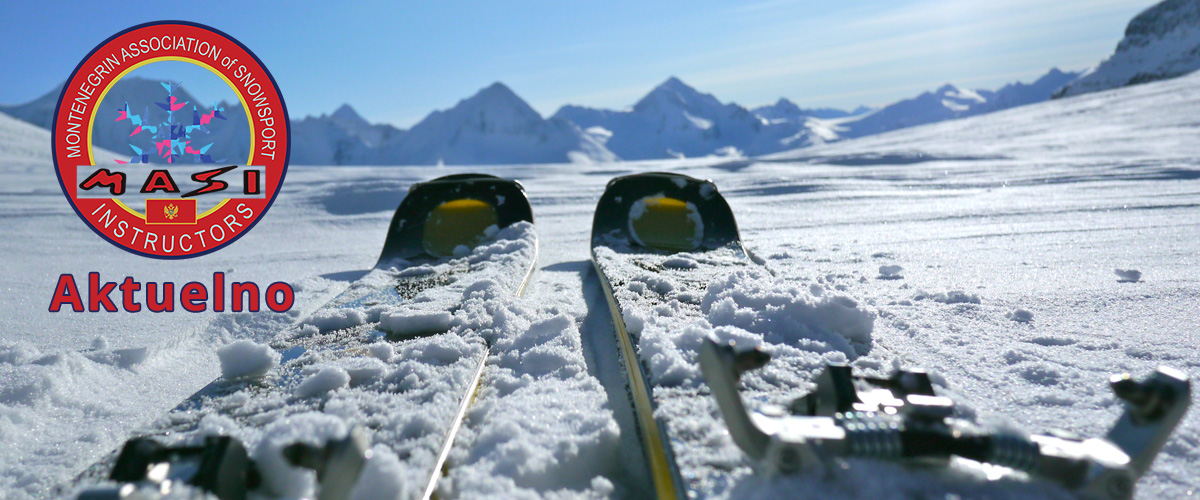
1020 94
341 138
229 137
494 126
676 120
783 109
1161 42
950 102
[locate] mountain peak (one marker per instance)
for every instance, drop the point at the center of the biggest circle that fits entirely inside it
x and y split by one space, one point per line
497 90
674 84
674 94
1159 43
784 102
946 88
346 112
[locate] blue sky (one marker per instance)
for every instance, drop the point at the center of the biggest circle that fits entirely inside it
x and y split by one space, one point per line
394 62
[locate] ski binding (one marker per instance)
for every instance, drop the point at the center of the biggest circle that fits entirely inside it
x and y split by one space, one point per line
900 418
221 469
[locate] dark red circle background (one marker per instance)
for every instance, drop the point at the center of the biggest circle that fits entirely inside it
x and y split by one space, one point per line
276 169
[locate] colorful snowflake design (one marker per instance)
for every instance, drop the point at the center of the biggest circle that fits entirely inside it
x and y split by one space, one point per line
172 140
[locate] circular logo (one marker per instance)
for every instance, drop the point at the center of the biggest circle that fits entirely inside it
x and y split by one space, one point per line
188 177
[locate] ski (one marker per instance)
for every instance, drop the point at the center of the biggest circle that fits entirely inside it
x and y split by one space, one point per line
382 356
901 418
662 243
655 237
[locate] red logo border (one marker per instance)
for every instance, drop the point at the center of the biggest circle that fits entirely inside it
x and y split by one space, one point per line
262 208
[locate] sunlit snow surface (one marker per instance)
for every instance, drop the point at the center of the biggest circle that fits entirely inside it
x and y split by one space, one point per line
1029 209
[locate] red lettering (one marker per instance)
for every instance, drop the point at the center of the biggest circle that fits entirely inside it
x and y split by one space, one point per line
192 297
127 288
167 304
218 291
160 180
250 182
65 292
239 290
98 295
104 177
278 288
210 184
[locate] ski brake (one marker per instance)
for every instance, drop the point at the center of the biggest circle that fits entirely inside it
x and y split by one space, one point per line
900 418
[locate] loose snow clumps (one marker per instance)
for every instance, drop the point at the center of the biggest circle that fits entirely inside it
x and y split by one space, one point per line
951 297
246 358
328 379
670 311
541 424
1128 275
409 323
1020 316
890 272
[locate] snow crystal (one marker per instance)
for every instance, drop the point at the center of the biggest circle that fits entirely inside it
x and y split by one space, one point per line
123 358
246 358
951 297
330 378
1128 275
381 350
363 370
332 319
1020 316
890 272
411 323
540 426
679 262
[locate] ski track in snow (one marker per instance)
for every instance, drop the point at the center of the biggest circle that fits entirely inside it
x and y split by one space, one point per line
1026 209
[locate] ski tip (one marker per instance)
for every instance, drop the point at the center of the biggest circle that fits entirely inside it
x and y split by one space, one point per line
665 211
439 215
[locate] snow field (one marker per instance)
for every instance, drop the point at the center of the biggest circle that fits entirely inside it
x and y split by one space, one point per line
1027 209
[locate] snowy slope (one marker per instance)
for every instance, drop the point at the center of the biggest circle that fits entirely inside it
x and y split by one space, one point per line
1028 209
1161 42
949 102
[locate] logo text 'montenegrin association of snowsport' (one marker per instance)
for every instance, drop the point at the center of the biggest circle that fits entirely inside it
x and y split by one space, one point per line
170 199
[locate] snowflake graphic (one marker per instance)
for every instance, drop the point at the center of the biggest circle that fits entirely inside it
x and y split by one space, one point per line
172 140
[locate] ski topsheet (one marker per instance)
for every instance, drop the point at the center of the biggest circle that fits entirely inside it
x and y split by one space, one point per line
657 239
383 362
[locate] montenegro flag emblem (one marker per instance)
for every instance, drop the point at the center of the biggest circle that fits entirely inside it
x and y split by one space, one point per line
170 211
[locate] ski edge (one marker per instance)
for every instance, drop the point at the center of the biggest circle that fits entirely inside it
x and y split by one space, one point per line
664 471
440 469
